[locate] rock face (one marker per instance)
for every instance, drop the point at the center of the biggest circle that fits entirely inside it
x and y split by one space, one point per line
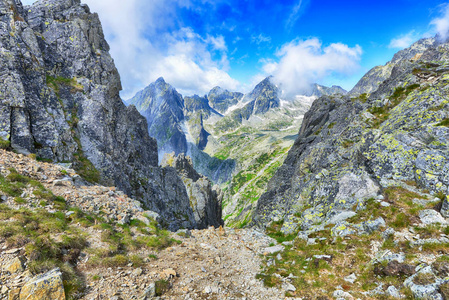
264 97
349 149
205 199
221 99
60 100
377 75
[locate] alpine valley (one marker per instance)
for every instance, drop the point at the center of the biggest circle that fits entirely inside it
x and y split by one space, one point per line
326 195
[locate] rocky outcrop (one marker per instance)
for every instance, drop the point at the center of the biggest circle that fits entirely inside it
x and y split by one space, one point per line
377 75
349 150
60 100
205 198
264 97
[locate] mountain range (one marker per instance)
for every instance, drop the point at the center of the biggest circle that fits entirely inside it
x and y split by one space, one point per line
344 194
220 132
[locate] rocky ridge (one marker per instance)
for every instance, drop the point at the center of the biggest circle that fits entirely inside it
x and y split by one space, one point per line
370 170
60 100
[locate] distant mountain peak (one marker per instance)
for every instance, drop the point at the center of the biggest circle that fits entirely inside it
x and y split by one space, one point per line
160 80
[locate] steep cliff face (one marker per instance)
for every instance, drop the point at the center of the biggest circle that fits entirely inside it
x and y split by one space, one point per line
205 198
60 100
350 149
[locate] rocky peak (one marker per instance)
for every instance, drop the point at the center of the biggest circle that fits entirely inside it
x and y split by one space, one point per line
221 99
376 76
321 90
163 107
264 96
205 198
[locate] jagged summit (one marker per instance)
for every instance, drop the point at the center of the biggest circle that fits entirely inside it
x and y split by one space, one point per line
376 76
318 90
221 99
163 107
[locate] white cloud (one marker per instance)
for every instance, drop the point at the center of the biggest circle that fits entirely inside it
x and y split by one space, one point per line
296 13
301 63
146 45
441 24
259 39
404 41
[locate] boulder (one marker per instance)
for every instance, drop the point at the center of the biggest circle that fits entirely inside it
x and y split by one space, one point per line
48 286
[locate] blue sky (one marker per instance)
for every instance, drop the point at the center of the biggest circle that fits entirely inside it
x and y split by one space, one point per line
198 44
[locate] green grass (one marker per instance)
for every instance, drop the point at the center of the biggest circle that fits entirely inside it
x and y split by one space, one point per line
445 123
4 144
349 254
55 84
33 230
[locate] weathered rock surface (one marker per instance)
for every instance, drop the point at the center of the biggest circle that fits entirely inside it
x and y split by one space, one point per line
320 90
60 100
377 75
349 149
221 99
205 198
47 286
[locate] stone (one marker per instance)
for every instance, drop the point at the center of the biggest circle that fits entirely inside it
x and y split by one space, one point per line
425 289
17 265
137 272
372 226
342 295
445 207
342 216
288 287
430 216
12 251
47 286
168 273
150 291
394 268
4 289
14 294
393 292
351 278
444 290
273 249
